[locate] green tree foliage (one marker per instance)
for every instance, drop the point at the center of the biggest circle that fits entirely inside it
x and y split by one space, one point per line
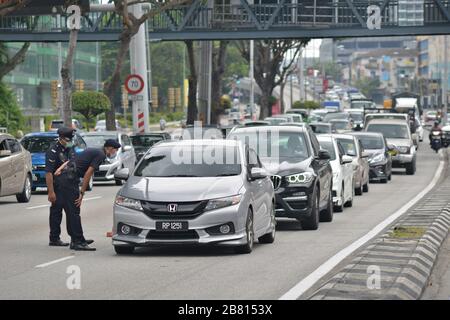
236 64
306 105
10 114
331 69
90 104
368 85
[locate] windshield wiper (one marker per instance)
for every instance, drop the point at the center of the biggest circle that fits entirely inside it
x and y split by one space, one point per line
178 175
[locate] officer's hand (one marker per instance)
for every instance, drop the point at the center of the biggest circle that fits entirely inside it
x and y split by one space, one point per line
79 200
61 168
52 197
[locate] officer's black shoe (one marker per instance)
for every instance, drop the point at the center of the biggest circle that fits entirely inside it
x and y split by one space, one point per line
82 247
85 242
58 243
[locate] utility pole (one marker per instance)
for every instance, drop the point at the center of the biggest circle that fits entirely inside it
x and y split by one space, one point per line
445 82
252 76
210 49
138 62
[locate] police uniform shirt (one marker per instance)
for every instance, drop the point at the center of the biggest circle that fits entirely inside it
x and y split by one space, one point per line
90 157
55 156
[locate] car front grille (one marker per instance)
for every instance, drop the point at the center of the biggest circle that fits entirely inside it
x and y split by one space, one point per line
276 181
172 235
184 210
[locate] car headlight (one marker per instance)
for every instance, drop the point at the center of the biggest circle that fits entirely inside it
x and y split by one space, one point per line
304 178
223 202
403 149
377 158
128 203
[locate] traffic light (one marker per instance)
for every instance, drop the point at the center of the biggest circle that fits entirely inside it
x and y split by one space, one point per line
79 85
54 92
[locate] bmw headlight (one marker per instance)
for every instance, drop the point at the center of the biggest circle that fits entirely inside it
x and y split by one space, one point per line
223 202
300 179
377 158
128 203
403 149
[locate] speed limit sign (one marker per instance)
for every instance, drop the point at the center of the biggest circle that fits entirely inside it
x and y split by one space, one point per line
134 84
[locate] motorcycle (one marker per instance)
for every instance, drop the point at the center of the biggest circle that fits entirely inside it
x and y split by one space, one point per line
436 140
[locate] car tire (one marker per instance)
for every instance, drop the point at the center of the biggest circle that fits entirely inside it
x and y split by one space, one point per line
359 191
327 214
25 195
124 249
312 223
366 187
270 237
249 231
340 208
411 168
349 203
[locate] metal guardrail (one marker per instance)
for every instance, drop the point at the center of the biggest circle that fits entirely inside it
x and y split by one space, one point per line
333 15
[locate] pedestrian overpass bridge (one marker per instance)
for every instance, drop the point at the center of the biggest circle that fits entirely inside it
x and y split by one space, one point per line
250 19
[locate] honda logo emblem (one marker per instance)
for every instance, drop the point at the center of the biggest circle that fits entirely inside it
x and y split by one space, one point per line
173 207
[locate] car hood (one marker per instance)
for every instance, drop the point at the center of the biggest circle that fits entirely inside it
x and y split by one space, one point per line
38 158
181 188
286 168
399 142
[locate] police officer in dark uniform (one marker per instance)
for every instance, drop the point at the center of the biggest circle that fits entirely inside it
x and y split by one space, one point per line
63 191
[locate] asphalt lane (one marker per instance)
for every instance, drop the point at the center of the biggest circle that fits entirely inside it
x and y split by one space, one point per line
181 272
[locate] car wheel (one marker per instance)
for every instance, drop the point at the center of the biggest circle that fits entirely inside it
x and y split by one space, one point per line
124 249
312 223
327 214
359 191
349 203
25 195
366 187
270 237
248 247
411 168
340 208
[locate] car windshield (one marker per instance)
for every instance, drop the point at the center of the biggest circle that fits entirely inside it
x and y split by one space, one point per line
335 115
57 124
339 125
390 131
349 146
184 161
276 121
371 142
97 141
145 141
361 104
320 128
276 145
357 117
328 146
38 144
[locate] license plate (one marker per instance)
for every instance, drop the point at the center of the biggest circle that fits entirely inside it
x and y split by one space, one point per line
172 225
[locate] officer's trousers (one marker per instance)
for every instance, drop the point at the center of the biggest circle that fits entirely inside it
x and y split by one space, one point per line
67 192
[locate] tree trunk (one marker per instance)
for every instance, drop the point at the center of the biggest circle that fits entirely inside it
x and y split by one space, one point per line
218 64
192 110
266 110
17 59
282 87
67 81
112 85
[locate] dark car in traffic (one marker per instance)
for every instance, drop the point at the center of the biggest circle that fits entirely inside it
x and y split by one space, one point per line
144 141
380 158
300 171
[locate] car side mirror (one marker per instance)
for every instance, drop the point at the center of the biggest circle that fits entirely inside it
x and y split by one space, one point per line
346 159
126 148
324 155
258 173
5 153
122 174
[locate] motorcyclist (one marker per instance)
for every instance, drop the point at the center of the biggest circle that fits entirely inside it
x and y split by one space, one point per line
435 127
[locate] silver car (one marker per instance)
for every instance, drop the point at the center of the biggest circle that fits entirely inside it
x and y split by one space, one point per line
177 195
125 158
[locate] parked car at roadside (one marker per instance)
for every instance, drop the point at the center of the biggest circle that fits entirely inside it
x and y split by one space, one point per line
142 142
37 143
165 201
380 158
341 164
397 133
300 170
15 169
125 157
353 148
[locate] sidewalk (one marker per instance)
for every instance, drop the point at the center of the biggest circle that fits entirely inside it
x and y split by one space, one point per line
397 264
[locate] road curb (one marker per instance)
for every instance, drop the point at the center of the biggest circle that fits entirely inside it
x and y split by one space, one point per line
397 264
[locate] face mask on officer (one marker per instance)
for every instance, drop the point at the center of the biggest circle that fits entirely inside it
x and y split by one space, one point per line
68 143
111 153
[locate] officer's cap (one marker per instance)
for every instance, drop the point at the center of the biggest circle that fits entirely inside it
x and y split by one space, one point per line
112 143
66 132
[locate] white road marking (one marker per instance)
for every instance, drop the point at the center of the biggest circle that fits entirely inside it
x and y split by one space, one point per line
48 205
53 262
306 283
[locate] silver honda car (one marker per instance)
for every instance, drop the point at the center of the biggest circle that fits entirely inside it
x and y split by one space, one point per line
195 192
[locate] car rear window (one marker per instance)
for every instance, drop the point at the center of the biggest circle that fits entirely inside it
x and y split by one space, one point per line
37 144
390 131
371 142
